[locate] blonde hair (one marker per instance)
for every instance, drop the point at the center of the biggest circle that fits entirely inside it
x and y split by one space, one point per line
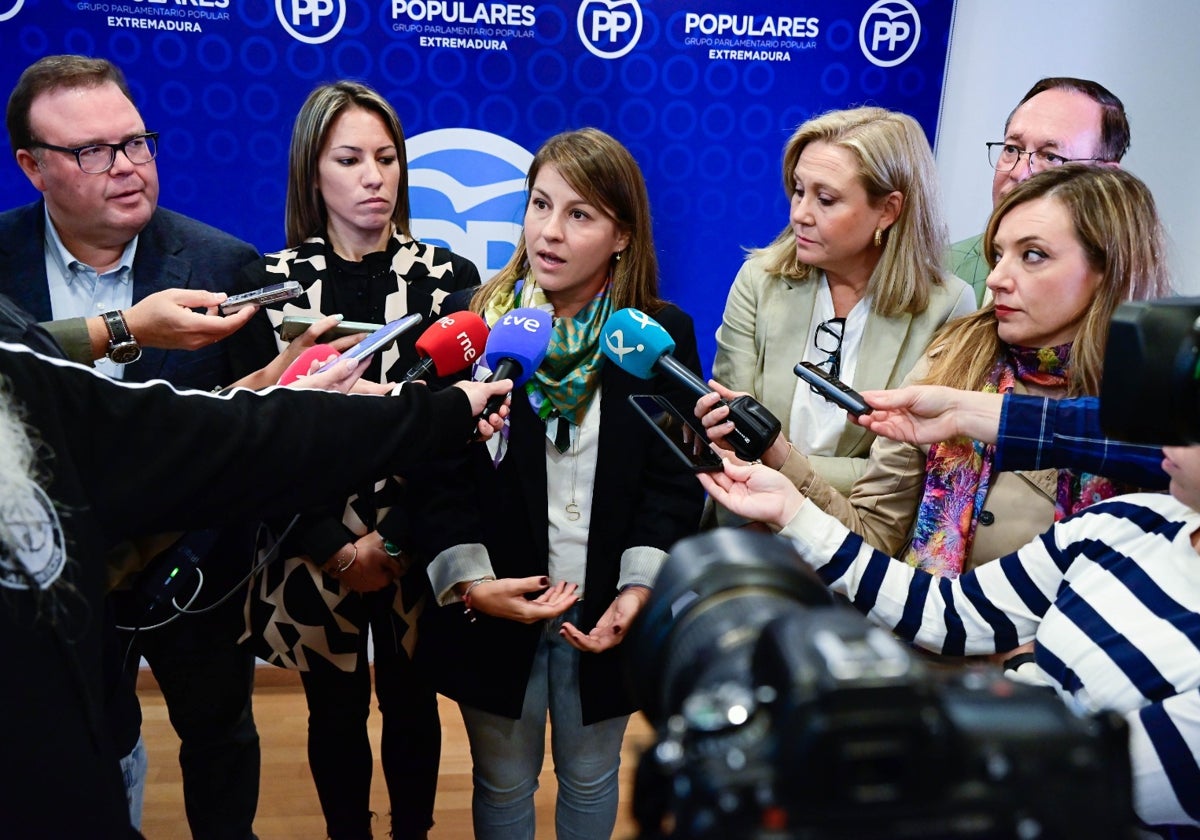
893 156
1115 219
305 214
604 173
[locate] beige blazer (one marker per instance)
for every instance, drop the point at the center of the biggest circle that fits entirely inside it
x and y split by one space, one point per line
763 333
883 504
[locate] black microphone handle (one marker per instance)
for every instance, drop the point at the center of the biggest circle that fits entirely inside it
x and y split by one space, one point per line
420 370
507 369
754 427
683 374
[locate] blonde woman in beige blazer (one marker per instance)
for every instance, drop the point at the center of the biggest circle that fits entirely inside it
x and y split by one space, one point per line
763 334
862 254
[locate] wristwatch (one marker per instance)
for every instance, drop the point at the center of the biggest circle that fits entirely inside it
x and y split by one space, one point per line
123 348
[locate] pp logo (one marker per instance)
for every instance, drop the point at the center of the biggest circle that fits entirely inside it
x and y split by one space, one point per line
609 28
305 20
466 191
11 13
889 32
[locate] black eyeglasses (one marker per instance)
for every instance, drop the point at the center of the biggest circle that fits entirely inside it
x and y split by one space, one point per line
1004 157
96 158
829 340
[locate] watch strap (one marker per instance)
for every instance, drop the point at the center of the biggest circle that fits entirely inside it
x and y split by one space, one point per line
123 347
118 330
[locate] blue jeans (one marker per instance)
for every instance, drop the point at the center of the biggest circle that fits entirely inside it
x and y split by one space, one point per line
507 754
133 773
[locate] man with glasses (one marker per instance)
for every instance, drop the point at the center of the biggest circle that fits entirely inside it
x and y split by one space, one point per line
1060 120
98 247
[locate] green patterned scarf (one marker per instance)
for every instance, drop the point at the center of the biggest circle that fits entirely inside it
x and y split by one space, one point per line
566 380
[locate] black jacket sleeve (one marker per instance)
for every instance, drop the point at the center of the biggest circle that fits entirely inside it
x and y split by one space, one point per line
150 458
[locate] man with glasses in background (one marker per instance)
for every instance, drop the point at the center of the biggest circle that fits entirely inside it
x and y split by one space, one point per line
98 251
1060 120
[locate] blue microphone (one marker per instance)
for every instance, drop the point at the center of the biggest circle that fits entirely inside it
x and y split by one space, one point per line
639 345
515 347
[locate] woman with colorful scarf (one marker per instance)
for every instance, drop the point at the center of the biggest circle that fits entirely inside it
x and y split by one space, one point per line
1067 246
554 536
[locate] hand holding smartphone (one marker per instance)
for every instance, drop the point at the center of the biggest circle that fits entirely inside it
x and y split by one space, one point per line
682 433
377 340
267 294
295 325
832 389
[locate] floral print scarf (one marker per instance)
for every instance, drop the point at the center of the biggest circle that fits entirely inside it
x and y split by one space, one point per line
958 472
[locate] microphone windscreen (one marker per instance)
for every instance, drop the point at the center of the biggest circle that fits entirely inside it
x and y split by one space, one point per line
520 336
634 341
453 341
298 368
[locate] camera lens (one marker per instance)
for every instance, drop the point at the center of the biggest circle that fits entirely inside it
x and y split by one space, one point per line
711 599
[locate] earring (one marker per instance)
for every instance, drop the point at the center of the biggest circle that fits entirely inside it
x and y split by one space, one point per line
878 238
617 256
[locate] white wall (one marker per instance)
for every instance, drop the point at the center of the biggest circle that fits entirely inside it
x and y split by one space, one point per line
1145 52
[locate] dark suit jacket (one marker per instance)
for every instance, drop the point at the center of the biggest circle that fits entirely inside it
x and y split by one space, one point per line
173 252
643 496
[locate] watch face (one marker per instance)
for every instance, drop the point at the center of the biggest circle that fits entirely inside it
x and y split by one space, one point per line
125 353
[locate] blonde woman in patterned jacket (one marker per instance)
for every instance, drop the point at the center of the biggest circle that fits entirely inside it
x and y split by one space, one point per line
350 248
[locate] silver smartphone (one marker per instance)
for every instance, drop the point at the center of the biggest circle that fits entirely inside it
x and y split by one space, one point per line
832 389
669 422
295 325
274 293
377 340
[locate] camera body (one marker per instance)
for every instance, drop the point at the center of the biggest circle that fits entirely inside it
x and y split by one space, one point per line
781 714
1151 387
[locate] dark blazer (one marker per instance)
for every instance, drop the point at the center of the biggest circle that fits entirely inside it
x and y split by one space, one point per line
173 252
643 496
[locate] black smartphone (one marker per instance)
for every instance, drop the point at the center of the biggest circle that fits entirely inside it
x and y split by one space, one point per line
669 422
834 390
295 325
274 293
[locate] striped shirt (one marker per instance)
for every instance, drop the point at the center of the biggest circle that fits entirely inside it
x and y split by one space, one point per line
1112 598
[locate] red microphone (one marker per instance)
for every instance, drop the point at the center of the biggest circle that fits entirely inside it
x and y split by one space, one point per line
450 344
300 367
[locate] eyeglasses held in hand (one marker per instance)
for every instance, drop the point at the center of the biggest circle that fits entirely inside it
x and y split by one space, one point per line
1004 157
96 158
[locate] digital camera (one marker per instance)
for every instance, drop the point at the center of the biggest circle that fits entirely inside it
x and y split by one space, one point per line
781 714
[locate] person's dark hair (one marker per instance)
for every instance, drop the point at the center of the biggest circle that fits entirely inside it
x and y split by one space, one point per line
305 214
55 72
1114 124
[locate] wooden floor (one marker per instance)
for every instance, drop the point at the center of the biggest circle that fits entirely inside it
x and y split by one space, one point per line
288 808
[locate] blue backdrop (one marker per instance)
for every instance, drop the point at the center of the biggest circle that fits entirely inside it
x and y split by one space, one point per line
703 92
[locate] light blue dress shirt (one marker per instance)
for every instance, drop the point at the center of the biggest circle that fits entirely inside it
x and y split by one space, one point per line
78 291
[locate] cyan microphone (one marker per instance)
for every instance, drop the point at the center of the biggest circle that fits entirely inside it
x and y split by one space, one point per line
302 364
449 345
639 345
515 347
